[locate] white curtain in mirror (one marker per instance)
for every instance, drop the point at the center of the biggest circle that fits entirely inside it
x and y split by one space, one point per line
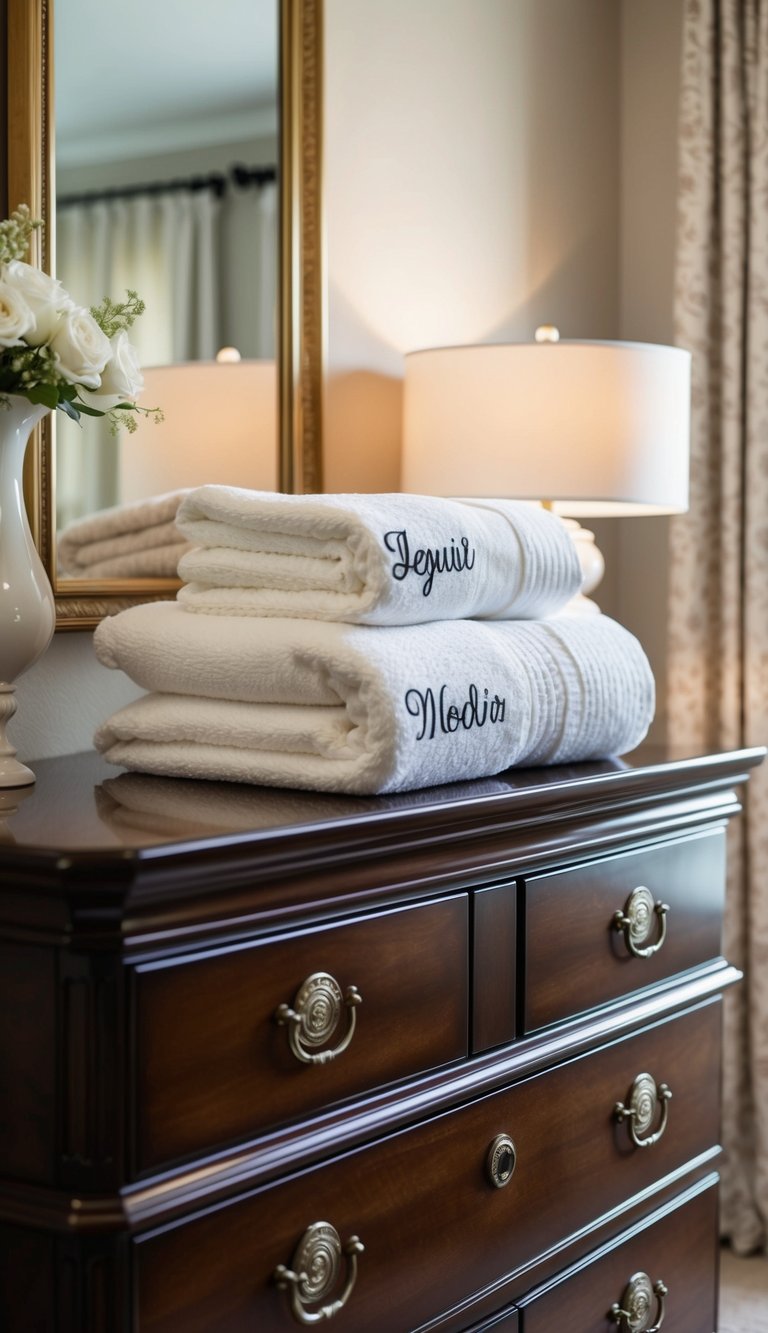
190 255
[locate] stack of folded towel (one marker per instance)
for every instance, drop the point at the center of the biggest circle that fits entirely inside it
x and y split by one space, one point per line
137 540
370 644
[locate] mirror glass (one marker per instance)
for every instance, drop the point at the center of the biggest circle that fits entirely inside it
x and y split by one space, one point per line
166 153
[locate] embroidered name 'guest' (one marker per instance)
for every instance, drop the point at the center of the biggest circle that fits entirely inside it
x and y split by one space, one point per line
436 713
426 562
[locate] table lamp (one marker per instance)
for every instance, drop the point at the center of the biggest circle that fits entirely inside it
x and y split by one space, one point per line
590 428
220 425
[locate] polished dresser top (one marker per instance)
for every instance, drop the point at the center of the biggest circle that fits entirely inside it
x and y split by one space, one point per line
88 833
83 806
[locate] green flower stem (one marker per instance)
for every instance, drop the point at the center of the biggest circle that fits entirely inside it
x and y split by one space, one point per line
115 316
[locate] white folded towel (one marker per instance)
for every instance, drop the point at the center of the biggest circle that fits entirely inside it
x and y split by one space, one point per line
133 540
365 709
373 559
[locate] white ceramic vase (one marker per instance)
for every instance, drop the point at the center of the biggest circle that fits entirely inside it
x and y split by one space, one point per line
27 610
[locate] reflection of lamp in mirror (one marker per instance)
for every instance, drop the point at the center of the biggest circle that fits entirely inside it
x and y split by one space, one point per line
595 428
220 425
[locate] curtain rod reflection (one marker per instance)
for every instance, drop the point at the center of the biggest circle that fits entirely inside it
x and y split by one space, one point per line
217 182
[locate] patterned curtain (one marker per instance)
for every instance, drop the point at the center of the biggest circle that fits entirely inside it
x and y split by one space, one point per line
718 623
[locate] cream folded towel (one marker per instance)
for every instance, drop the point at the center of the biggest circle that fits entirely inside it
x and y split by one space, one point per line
364 709
127 541
373 559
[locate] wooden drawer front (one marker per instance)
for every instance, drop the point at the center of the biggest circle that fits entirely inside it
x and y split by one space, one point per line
576 958
415 1198
213 1066
679 1249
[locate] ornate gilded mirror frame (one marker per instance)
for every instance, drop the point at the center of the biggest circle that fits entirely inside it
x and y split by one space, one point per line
80 604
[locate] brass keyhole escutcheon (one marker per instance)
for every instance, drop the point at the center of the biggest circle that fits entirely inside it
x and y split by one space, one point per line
501 1161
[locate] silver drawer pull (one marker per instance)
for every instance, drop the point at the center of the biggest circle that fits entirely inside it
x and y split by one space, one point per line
644 1100
634 1313
638 919
316 1272
317 1008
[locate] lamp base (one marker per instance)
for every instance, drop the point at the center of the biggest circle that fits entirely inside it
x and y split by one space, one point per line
589 553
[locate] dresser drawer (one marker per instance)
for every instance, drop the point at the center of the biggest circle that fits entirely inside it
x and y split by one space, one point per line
415 1198
678 1249
577 956
213 1066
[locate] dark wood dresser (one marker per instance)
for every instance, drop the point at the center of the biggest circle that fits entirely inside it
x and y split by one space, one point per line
448 1060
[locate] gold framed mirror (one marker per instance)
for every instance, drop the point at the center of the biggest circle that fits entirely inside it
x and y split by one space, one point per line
300 340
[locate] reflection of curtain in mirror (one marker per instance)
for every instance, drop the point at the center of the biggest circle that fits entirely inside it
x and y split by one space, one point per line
206 268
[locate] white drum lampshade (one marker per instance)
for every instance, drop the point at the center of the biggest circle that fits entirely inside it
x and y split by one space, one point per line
597 428
220 425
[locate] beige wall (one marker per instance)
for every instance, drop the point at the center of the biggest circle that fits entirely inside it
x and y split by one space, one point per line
567 124
472 193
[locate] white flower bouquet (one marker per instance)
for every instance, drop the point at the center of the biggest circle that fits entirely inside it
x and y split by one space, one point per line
57 353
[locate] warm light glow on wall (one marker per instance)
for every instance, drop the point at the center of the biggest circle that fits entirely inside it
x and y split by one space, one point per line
464 201
411 228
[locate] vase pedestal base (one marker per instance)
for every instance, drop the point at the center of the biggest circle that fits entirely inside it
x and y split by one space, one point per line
12 772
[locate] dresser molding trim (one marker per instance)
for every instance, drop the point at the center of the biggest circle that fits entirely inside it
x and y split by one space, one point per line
138 904
96 1218
634 1229
354 877
396 1109
547 1270
551 1271
217 1179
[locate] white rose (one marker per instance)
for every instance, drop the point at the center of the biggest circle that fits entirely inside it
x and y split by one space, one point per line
16 318
122 378
81 349
44 295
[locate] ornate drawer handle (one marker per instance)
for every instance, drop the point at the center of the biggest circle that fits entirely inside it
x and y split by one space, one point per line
634 1313
316 1011
644 1098
637 920
315 1273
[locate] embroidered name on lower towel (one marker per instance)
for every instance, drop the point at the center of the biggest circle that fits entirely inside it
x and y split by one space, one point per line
435 713
366 709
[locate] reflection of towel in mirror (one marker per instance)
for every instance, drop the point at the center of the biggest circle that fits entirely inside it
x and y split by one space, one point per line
137 540
365 709
373 559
